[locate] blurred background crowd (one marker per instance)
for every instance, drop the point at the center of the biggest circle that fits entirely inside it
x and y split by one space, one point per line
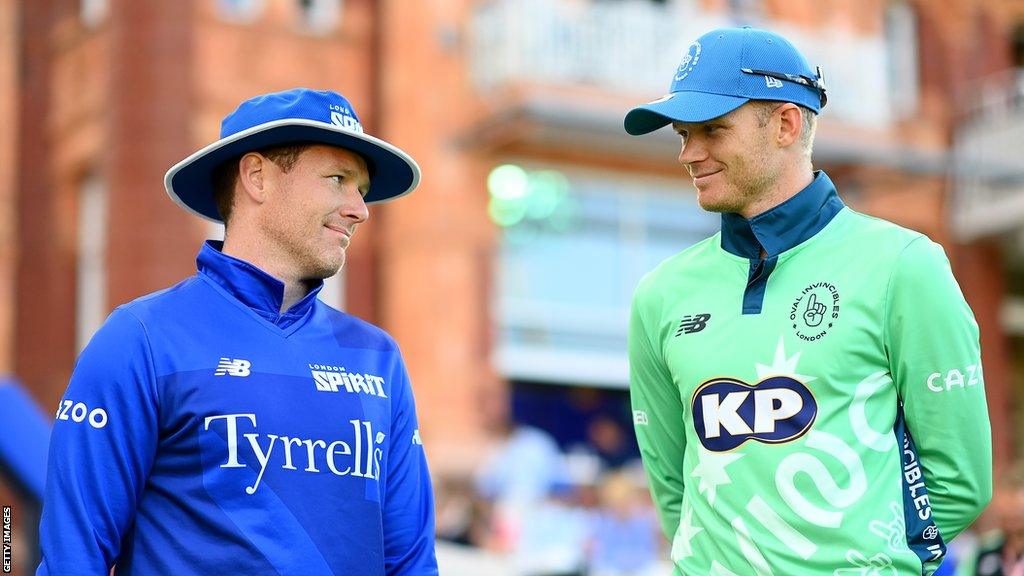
506 277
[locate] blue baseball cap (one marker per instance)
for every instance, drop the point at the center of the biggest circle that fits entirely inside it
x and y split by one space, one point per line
294 116
725 69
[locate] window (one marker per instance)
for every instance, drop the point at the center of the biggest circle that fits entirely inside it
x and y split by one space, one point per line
901 52
91 288
92 12
572 249
319 16
240 10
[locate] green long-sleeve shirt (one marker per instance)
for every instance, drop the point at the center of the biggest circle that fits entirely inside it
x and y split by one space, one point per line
818 411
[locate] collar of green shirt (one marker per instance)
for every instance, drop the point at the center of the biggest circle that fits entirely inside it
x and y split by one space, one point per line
785 225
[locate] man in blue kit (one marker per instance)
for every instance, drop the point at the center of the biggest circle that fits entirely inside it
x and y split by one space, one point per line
235 424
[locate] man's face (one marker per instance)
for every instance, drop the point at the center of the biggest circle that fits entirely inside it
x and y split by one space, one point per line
312 210
730 159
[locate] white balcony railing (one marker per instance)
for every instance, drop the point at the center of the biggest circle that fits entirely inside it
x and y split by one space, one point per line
632 47
988 170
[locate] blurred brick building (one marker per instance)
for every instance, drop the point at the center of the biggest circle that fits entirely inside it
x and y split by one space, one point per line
521 275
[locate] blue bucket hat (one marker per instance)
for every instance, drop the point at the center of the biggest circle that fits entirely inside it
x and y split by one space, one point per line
290 117
725 69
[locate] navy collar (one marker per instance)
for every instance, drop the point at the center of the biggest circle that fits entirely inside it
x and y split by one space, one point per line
257 290
785 225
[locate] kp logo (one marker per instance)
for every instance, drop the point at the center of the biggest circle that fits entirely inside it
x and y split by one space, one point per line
727 412
230 367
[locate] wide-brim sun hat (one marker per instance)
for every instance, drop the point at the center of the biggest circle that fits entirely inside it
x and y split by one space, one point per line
725 69
293 116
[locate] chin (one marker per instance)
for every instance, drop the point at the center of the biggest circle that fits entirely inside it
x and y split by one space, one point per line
326 267
712 202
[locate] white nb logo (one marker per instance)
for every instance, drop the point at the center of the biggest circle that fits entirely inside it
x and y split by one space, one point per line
230 367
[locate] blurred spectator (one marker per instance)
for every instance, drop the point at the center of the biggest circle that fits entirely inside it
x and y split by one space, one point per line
1002 553
23 443
462 517
24 438
554 532
553 536
625 532
607 437
523 466
523 463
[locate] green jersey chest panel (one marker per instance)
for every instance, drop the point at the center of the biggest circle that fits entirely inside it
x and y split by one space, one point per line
821 312
791 417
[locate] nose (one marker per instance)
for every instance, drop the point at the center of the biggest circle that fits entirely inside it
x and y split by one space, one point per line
692 150
354 209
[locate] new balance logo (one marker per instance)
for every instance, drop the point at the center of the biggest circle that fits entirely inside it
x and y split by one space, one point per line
694 323
230 367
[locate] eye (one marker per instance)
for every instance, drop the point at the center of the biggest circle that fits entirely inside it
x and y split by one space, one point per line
338 178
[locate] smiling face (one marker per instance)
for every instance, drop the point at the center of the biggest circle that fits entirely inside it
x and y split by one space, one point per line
312 210
731 159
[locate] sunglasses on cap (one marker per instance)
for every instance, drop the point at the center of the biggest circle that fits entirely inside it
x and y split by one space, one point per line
815 83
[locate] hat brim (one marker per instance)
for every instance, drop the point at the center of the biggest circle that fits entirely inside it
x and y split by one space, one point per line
393 173
680 107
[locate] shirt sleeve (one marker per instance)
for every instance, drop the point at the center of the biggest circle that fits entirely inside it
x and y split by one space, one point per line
935 359
408 495
658 416
101 451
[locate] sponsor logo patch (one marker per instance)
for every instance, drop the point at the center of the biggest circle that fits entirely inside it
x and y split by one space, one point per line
728 412
230 367
693 323
815 311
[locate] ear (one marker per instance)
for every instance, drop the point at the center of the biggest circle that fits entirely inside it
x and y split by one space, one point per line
252 177
790 124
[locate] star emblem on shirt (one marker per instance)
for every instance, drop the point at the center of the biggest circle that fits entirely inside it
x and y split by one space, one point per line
710 469
782 365
681 547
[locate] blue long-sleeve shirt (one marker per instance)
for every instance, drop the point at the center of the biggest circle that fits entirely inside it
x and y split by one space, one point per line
203 432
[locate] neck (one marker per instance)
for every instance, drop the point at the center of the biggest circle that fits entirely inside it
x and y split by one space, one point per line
265 257
788 185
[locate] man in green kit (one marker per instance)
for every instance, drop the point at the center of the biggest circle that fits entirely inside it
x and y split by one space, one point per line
806 384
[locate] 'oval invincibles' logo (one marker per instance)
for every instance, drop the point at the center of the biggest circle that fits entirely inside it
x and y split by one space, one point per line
689 61
727 412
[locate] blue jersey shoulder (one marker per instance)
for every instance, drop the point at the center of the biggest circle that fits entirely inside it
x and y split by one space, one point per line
356 332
